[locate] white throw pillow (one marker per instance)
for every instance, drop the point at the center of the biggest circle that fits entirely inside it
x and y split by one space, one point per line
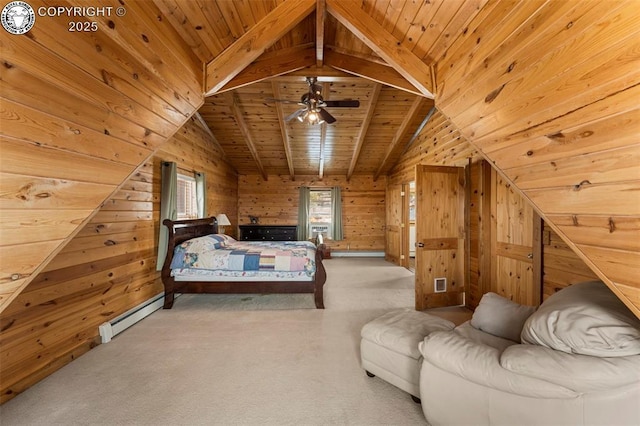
501 317
587 319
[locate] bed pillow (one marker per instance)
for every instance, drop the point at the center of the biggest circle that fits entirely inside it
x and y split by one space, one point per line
222 239
587 319
501 317
186 254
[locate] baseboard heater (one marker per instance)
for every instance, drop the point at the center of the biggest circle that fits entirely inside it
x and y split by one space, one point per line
120 323
356 253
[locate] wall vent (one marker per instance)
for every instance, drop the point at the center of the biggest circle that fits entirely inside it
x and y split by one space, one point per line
440 285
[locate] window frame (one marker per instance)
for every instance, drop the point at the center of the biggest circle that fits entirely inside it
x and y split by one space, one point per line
310 223
187 209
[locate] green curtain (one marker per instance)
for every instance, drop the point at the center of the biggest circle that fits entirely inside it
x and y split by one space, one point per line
336 213
168 207
201 194
303 214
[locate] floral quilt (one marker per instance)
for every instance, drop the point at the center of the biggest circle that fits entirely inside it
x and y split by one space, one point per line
221 252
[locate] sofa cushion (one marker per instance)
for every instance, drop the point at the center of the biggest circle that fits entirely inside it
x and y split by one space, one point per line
475 335
580 373
401 330
480 364
501 317
587 319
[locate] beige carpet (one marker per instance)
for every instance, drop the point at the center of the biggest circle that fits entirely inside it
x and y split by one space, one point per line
238 360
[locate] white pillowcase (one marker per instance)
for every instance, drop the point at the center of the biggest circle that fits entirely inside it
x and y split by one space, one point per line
501 317
587 319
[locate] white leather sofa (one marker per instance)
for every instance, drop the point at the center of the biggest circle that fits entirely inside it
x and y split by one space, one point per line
578 363
389 347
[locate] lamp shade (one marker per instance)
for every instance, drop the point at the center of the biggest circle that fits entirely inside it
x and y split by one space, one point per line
223 220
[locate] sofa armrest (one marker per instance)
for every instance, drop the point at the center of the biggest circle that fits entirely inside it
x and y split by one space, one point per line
480 364
581 373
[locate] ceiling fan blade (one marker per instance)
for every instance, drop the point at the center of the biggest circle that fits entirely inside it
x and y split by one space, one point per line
294 114
342 104
328 118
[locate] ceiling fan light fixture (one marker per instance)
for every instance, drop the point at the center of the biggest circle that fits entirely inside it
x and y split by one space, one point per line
311 117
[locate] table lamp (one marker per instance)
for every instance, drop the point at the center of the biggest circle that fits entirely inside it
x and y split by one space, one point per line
223 221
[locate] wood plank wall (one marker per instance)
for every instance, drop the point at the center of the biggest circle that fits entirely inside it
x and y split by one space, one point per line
106 269
74 130
562 266
548 92
275 202
438 144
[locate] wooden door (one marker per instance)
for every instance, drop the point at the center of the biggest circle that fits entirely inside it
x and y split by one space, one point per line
516 247
393 241
440 236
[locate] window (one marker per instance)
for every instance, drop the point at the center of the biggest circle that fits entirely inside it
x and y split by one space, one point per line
187 205
320 213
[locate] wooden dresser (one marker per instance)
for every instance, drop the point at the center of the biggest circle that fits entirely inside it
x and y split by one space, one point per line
268 232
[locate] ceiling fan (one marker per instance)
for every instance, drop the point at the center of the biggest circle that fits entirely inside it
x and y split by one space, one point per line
313 105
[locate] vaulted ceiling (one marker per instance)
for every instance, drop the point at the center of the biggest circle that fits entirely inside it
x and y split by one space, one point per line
259 50
546 90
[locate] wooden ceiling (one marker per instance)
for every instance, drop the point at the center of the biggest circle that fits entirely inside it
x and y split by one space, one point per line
253 50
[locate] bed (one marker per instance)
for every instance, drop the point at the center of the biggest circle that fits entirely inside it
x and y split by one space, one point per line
199 260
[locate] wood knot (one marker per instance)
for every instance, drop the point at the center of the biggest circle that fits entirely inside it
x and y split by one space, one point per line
579 186
6 327
493 95
612 225
111 24
7 65
106 77
145 38
556 136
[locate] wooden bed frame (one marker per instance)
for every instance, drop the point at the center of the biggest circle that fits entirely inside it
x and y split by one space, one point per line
182 230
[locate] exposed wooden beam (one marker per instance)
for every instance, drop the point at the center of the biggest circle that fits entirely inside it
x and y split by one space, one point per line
321 13
326 88
254 42
369 70
324 73
207 129
283 130
419 129
383 44
233 102
270 65
402 130
323 138
362 132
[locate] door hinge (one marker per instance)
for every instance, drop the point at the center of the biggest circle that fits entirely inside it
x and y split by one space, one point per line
402 225
402 257
402 193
